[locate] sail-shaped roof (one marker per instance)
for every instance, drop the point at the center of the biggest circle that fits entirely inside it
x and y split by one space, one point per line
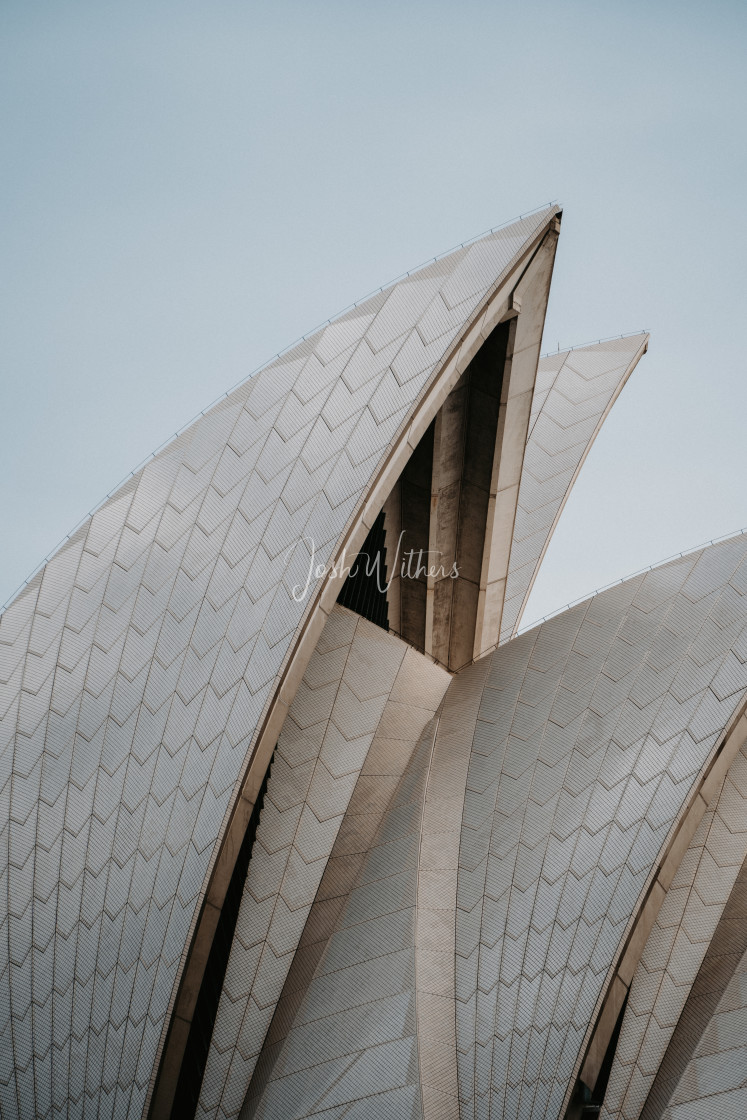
574 392
486 946
148 666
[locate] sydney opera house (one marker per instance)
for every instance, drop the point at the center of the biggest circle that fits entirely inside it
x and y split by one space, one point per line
296 822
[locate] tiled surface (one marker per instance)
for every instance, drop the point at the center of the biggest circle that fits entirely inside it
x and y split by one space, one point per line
396 911
714 1081
136 666
465 975
352 1048
429 920
430 915
573 392
592 730
435 922
705 1058
677 946
419 688
365 694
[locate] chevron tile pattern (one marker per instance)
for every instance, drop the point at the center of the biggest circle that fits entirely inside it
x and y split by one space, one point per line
464 967
343 704
677 945
137 664
591 732
352 1048
713 1082
573 393
397 916
447 870
418 691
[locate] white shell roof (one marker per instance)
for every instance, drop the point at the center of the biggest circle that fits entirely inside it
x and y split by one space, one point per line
574 391
364 690
136 665
564 759
678 944
592 731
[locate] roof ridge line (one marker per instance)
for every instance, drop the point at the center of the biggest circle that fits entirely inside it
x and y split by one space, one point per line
641 571
592 342
242 381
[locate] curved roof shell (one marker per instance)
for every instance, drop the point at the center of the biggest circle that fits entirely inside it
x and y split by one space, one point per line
148 668
187 633
488 942
693 955
365 694
573 394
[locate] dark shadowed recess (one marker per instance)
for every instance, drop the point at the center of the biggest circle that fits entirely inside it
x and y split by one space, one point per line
444 500
188 1087
364 591
587 1103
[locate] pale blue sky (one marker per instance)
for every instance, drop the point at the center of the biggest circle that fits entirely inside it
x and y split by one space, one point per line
188 187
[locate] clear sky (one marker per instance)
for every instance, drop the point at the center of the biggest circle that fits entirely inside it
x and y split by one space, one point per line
188 187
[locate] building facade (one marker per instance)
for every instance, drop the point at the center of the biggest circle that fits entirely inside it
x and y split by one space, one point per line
296 823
